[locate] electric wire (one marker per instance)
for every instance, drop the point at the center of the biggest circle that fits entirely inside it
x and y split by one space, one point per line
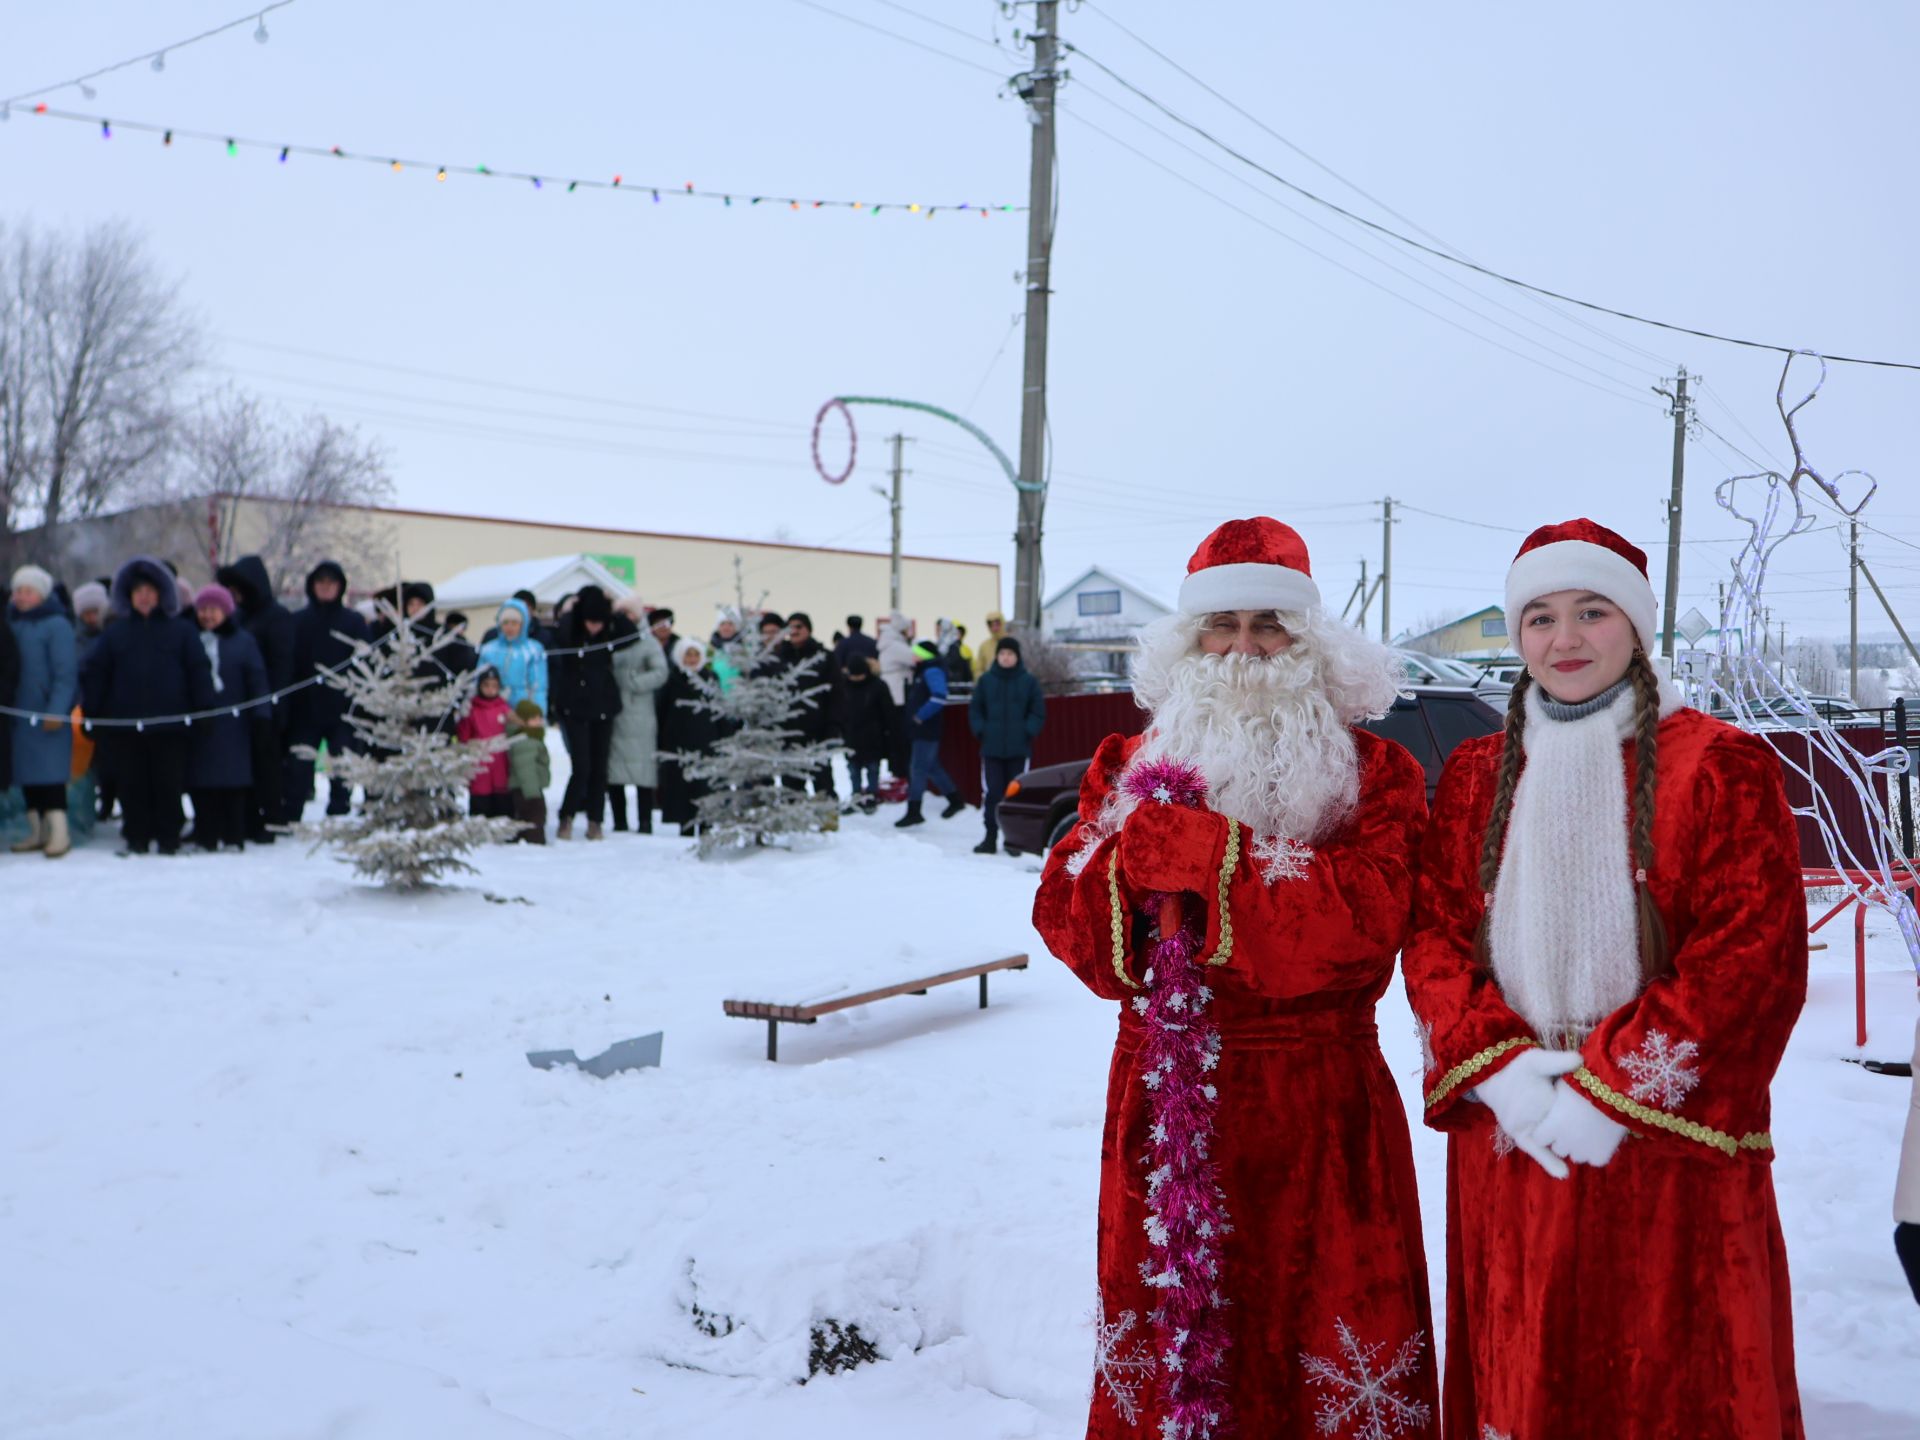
259 15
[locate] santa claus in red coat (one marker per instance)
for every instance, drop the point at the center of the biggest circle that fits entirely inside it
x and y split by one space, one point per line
1610 950
1240 881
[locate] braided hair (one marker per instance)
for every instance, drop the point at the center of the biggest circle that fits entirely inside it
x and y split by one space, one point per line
1654 959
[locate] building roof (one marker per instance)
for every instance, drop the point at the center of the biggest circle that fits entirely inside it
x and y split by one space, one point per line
1108 573
548 579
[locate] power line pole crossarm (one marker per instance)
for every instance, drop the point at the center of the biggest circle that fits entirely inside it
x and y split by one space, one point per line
1037 89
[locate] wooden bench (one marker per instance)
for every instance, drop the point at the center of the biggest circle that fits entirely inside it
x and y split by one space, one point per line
777 1015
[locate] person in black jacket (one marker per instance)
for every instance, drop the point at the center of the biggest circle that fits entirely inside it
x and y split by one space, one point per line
925 712
270 624
856 644
1005 714
325 633
221 755
685 730
146 666
586 694
867 725
801 653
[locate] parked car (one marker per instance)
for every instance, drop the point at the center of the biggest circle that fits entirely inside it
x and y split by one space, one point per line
1042 804
1424 669
1778 712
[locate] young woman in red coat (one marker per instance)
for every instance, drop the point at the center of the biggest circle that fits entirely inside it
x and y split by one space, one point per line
1260 1262
1609 952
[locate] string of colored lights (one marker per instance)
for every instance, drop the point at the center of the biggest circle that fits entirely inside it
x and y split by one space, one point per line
540 181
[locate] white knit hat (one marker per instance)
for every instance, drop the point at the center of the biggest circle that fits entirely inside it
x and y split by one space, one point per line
33 578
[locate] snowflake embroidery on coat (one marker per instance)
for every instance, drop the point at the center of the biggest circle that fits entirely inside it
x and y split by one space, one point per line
1359 1395
1487 1432
1503 1142
1661 1071
1423 1033
1277 857
1122 1366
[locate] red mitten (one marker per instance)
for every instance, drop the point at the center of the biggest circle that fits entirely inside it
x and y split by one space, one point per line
1172 848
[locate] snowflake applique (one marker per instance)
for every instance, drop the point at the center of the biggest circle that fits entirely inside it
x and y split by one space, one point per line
1661 1070
1278 857
1503 1142
1487 1432
1090 839
1120 1364
1361 1395
1423 1032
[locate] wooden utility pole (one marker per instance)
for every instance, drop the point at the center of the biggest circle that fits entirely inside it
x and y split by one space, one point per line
1853 612
893 584
1037 89
1678 397
1386 570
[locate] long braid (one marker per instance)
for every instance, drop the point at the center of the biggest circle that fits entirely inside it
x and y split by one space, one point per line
1646 726
1496 837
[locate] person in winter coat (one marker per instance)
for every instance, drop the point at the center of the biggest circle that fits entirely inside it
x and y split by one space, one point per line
534 630
1005 714
866 723
490 792
954 654
586 692
47 682
897 662
1609 953
640 665
926 718
89 614
222 749
441 665
270 623
513 653
529 771
1906 1193
686 731
325 634
987 651
803 654
147 666
856 645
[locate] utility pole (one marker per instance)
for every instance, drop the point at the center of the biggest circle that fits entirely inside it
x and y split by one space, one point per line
1678 397
1853 612
893 586
1037 89
1360 594
1386 570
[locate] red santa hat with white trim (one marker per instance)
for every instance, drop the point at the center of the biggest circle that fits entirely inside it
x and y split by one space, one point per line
1256 564
1586 556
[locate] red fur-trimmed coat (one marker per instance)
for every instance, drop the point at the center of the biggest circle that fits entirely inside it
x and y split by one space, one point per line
1325 1260
1647 1299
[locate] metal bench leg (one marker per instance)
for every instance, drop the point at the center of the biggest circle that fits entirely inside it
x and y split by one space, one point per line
983 992
773 1039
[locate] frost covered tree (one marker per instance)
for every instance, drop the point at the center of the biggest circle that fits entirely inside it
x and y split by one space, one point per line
760 747
413 827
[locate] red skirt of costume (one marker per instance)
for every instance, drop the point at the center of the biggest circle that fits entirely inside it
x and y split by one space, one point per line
1328 1318
1647 1299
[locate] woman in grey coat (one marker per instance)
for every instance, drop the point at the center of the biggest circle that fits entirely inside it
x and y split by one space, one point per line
49 680
640 669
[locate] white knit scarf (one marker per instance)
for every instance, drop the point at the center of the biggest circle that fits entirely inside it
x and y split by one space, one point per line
1565 935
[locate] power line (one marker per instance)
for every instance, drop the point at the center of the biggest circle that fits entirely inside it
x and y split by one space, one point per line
903 39
1453 259
160 56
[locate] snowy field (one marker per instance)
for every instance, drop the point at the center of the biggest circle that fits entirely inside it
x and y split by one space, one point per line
273 1165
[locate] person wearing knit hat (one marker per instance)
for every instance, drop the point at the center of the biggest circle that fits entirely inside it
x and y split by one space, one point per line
925 712
1240 880
45 684
586 695
224 747
1610 946
529 771
1006 713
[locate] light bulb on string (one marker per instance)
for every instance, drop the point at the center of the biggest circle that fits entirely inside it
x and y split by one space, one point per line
88 91
260 36
167 138
159 62
442 175
232 148
283 153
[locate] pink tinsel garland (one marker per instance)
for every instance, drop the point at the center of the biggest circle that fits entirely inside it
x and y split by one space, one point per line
1186 1209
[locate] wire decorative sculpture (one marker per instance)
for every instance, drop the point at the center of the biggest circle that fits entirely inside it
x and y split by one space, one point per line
1762 696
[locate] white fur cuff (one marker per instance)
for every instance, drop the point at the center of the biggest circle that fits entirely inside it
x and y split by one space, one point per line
1247 587
1582 565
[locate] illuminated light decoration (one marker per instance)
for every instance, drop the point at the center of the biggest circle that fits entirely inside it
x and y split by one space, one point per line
572 185
232 149
283 154
853 441
841 402
914 208
396 167
481 170
167 139
338 151
656 197
729 201
41 108
106 130
689 187
616 182
536 182
1875 869
441 174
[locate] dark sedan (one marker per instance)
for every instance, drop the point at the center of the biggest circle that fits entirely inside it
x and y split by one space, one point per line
1430 721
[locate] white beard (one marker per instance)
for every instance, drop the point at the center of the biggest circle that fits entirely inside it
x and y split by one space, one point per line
1262 732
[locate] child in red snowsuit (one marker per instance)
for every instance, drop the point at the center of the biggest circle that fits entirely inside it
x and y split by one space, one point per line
486 717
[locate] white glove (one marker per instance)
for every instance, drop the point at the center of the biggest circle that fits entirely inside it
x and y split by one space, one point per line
1522 1094
1578 1129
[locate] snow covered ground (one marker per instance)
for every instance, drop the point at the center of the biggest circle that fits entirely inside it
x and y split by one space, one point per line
273 1164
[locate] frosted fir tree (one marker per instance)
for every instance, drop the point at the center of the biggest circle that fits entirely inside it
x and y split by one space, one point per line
746 805
413 826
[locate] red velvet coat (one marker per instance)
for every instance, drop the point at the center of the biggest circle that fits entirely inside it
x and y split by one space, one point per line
1325 1258
1647 1299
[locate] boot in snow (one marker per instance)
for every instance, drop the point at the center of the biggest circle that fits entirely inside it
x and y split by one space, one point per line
988 846
954 806
912 817
58 841
564 830
594 832
36 836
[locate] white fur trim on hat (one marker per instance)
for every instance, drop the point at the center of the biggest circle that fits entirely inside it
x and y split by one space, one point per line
33 578
1247 586
1581 565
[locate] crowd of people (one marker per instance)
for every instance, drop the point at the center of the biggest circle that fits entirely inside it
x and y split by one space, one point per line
198 712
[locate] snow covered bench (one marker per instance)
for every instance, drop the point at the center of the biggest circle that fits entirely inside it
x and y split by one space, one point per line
806 1012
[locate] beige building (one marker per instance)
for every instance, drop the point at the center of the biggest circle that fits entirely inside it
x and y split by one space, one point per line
694 574
1479 636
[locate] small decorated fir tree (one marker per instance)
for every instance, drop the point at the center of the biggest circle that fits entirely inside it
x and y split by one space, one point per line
746 805
413 827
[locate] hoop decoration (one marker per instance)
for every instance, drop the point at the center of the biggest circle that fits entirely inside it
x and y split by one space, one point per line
853 441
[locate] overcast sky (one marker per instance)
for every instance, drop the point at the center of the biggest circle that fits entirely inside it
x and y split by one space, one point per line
596 358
